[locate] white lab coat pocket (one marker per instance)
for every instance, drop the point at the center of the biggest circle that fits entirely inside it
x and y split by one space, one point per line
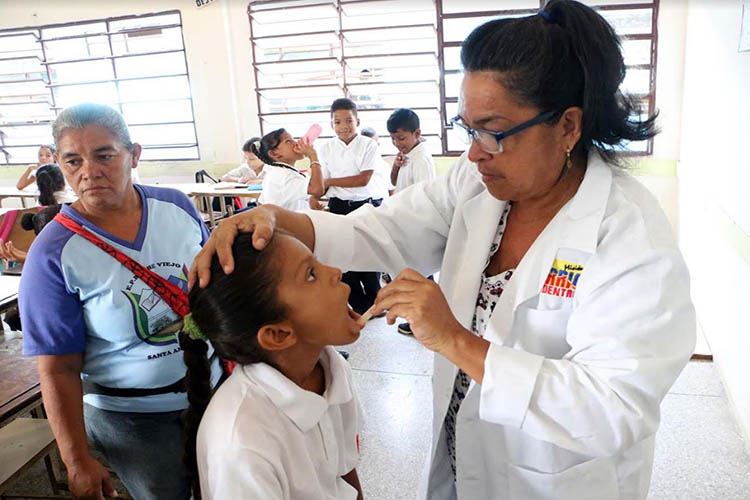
592 480
541 332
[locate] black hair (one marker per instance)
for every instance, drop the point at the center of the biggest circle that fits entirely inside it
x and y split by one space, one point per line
403 119
248 146
344 103
261 148
52 148
49 179
368 132
229 311
37 221
568 55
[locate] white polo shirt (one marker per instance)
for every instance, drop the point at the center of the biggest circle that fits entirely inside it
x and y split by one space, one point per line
285 187
243 174
381 179
343 160
419 167
264 437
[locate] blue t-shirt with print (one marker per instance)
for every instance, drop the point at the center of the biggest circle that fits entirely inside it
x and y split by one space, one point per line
76 298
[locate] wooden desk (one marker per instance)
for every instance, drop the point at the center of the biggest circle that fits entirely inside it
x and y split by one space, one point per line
203 193
11 192
19 380
20 393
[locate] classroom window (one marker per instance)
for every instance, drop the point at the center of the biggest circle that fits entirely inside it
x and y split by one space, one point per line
633 20
382 54
386 54
135 64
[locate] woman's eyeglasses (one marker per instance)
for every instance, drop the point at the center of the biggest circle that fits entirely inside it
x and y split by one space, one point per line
490 141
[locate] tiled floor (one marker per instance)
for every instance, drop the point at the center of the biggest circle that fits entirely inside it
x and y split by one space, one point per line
699 454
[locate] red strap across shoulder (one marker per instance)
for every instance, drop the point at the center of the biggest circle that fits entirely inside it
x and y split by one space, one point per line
173 295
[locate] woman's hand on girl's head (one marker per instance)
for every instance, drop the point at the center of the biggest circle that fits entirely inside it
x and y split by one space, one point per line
420 302
261 221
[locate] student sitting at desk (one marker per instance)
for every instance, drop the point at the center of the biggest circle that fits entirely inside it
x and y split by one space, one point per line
52 191
283 184
45 155
251 171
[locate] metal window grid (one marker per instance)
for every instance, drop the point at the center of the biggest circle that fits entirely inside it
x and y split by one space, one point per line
36 32
264 6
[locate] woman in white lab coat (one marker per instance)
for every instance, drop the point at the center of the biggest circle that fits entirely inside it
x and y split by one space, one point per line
563 312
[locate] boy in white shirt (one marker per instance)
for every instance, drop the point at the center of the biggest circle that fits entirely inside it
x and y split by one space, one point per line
413 163
349 161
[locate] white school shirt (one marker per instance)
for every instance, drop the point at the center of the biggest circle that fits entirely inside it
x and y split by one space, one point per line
65 195
419 167
244 173
264 437
344 160
381 179
285 187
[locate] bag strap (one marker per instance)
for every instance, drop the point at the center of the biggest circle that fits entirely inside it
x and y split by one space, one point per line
173 295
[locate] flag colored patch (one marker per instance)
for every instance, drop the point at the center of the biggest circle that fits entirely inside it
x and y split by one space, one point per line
562 279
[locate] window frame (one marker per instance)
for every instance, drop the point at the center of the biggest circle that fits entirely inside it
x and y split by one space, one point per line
343 84
653 36
440 17
47 64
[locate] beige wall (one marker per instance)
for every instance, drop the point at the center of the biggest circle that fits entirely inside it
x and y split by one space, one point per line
218 56
714 176
659 172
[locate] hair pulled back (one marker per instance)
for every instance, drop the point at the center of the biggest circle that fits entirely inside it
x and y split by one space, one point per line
36 221
262 146
229 311
49 180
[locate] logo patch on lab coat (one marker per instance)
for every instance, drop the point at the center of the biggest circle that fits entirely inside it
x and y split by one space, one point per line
562 278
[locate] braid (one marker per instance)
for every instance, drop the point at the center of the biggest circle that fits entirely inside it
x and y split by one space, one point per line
198 384
229 312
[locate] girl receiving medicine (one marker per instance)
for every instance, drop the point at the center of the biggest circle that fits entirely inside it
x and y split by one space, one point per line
285 424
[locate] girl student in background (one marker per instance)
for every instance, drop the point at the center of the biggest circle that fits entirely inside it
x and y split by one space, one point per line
51 185
285 424
52 192
284 185
45 155
251 171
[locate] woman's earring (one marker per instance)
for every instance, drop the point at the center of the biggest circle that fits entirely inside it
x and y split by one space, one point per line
568 162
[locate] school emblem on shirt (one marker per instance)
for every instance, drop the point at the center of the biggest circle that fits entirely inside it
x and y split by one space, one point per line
562 279
150 313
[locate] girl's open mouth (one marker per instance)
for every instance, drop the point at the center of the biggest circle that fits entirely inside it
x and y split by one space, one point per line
354 315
